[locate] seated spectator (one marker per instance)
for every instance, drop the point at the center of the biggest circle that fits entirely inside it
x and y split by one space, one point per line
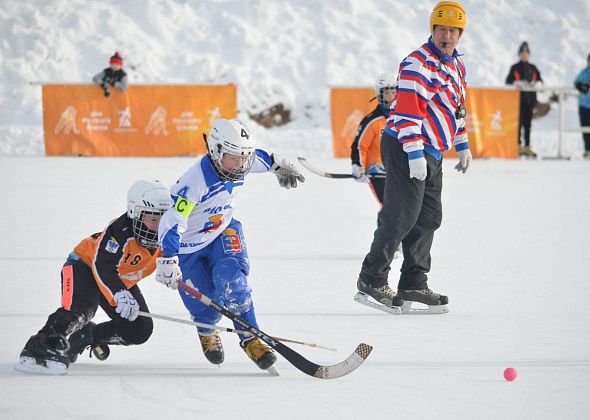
112 76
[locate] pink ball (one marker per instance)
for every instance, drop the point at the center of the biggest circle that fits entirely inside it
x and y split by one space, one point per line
510 374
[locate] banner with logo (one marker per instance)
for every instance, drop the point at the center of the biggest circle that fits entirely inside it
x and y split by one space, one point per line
492 120
164 120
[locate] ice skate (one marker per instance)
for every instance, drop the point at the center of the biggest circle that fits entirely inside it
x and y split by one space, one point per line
212 347
434 302
84 338
385 299
259 353
44 354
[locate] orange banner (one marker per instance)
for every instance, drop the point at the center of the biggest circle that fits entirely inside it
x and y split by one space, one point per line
492 120
143 121
348 106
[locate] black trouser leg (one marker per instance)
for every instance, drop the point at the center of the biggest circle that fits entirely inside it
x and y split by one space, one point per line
526 116
121 331
418 242
401 209
82 297
378 187
585 122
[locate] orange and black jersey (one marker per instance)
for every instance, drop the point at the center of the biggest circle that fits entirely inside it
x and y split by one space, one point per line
116 259
366 148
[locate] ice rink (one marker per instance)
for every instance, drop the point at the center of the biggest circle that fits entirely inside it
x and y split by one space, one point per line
512 255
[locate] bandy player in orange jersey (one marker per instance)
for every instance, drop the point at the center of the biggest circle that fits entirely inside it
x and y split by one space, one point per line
103 270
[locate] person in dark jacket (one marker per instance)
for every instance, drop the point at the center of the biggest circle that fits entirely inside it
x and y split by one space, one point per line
525 75
112 76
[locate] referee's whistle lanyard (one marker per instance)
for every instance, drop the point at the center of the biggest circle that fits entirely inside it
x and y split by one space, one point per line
461 111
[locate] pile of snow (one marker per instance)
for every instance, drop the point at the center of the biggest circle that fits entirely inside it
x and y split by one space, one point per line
276 52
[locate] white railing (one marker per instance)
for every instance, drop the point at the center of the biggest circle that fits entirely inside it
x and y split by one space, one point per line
562 92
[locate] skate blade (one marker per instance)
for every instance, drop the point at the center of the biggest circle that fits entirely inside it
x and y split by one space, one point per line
363 299
272 371
409 308
30 365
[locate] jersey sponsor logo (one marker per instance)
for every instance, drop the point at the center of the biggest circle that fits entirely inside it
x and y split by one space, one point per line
213 210
112 246
231 241
213 223
183 206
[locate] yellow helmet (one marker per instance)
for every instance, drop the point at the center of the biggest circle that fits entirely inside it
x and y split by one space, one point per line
448 13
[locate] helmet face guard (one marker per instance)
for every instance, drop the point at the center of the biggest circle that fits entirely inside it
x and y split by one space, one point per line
145 226
385 82
235 173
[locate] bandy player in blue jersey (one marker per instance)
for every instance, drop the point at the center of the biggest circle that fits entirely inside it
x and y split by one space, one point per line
203 245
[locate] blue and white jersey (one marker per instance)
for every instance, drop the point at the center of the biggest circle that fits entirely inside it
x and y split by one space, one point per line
203 206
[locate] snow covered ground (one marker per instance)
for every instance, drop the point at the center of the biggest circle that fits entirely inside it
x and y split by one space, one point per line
512 255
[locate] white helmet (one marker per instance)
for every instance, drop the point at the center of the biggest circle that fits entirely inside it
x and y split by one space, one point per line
147 198
384 81
231 137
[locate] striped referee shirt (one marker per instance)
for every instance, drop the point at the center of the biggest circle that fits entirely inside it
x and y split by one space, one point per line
431 86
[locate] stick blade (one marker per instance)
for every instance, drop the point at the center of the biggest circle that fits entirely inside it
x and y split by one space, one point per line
349 365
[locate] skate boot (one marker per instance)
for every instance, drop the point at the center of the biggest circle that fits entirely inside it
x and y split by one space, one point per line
212 347
436 303
84 338
259 353
387 300
45 353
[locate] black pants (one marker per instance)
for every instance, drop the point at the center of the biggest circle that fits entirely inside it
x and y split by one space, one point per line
525 117
378 187
80 300
585 122
411 213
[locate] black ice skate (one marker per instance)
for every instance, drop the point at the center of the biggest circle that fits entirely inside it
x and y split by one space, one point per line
84 338
45 354
212 347
386 299
437 304
259 353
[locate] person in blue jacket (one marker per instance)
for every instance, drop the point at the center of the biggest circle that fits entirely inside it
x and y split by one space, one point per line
582 83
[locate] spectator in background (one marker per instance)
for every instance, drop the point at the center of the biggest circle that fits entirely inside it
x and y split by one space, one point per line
582 83
112 76
525 75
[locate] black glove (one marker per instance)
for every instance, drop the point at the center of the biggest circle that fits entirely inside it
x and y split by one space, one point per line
105 88
583 87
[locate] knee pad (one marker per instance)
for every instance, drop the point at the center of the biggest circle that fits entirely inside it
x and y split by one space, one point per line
66 322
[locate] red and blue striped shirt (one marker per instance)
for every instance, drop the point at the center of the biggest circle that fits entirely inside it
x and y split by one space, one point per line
431 87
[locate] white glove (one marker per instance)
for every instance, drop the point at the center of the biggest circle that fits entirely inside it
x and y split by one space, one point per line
168 272
286 172
418 168
464 160
127 306
358 173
